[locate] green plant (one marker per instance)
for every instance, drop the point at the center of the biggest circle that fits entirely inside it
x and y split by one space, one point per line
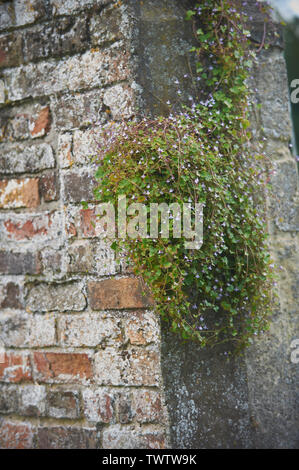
221 292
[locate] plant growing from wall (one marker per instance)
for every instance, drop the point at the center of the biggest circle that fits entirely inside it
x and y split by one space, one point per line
221 292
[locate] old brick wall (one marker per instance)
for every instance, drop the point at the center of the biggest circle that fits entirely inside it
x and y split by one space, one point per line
82 346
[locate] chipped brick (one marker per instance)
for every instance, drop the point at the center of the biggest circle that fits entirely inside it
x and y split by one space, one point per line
119 294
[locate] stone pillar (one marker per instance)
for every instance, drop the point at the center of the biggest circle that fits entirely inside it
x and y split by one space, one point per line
81 367
251 401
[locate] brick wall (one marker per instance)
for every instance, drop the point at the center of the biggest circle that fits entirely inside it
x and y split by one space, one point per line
81 367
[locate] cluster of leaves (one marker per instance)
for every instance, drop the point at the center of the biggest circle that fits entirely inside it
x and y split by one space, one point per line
221 292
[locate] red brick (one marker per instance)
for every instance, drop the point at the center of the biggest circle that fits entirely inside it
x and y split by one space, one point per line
15 368
118 294
83 222
41 125
62 367
87 222
66 437
15 435
70 229
17 193
48 187
35 226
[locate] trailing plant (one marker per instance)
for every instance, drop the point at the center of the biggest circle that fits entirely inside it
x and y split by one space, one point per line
221 292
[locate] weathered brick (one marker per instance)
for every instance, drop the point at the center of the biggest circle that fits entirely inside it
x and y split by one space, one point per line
144 367
115 437
41 331
80 257
14 126
91 69
15 435
109 367
70 227
64 150
88 222
64 36
78 186
10 50
15 368
6 15
119 294
32 400
23 227
69 7
22 159
26 121
142 328
17 193
27 330
67 437
86 145
9 399
62 367
147 406
49 187
61 297
19 263
41 125
128 367
88 330
106 262
29 12
106 26
99 405
124 407
63 404
51 260
78 110
119 100
14 329
11 296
